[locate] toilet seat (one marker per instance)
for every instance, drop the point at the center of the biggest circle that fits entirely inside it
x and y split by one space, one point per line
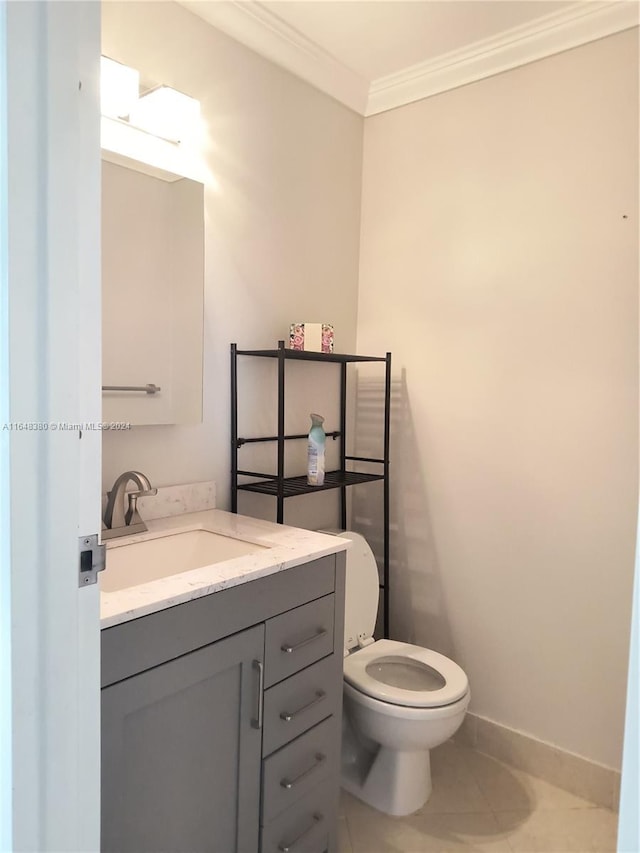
390 652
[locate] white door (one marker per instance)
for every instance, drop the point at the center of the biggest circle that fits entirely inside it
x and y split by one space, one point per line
49 388
629 820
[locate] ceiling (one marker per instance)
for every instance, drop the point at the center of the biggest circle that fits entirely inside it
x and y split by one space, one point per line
374 55
375 39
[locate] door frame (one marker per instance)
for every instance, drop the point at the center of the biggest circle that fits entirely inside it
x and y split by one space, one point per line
629 817
49 465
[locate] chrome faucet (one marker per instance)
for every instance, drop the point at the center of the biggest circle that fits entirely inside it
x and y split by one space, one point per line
117 520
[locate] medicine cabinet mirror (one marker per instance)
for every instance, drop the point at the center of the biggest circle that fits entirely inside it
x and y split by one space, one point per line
152 295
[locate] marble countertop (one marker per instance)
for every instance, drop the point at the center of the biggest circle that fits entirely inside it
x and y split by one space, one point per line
285 547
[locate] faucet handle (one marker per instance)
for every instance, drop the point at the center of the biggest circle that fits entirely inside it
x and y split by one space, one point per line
132 516
143 493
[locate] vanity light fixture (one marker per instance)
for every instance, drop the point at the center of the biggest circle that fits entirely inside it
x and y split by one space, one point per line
119 88
160 129
167 113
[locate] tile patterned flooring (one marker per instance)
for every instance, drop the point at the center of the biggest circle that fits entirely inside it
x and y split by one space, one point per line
480 804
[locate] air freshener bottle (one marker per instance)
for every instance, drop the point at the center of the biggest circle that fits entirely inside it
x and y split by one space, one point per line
315 451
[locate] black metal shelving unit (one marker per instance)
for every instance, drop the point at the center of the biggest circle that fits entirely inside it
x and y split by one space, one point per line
281 487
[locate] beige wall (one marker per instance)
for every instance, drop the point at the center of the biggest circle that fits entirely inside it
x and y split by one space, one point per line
281 232
499 264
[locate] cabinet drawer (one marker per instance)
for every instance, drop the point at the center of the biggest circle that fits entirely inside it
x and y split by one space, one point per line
298 638
298 703
298 767
306 827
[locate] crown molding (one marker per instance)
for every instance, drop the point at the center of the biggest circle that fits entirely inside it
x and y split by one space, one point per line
548 35
260 29
257 27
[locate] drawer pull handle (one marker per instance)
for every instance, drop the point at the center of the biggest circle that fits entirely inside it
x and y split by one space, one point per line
287 716
290 783
287 848
322 632
256 722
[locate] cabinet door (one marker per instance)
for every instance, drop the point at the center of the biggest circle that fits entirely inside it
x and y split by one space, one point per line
181 753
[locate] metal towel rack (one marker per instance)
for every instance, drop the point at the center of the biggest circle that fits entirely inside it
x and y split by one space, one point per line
148 389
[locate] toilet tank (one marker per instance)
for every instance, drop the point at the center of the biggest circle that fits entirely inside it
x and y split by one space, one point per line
362 590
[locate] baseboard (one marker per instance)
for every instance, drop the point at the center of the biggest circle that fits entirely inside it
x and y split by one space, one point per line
594 782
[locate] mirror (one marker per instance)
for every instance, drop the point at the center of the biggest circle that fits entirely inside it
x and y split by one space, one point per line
152 296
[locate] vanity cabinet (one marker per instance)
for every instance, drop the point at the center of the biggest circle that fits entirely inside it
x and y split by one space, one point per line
221 719
172 735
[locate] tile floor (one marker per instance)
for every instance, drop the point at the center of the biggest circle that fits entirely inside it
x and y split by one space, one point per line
479 803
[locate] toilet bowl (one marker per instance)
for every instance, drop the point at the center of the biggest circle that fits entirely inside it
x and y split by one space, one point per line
400 700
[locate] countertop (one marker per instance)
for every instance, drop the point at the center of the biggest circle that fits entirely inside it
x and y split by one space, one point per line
286 547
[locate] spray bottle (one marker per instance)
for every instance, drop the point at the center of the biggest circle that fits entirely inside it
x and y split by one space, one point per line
315 451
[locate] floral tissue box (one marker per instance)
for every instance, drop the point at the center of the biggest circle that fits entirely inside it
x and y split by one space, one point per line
312 337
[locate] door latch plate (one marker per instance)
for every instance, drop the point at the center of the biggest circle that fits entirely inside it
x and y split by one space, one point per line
91 559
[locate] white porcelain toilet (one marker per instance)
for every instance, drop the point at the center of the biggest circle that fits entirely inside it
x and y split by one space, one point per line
399 700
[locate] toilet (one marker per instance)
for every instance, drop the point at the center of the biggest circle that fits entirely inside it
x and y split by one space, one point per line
400 700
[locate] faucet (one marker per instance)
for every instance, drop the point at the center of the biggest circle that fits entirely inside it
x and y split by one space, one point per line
117 520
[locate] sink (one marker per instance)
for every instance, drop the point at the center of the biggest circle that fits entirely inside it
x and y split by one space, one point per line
170 554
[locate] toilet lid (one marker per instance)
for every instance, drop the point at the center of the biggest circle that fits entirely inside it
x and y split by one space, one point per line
361 590
403 674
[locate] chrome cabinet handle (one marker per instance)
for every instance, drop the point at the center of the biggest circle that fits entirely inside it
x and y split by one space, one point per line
287 848
256 722
290 783
150 388
287 716
289 649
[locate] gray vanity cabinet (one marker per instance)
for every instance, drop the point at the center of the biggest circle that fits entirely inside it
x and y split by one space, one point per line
221 720
181 763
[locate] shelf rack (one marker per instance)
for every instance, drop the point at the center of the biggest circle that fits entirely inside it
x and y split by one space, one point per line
281 487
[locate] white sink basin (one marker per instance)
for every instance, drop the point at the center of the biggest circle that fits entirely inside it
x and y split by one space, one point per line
171 554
